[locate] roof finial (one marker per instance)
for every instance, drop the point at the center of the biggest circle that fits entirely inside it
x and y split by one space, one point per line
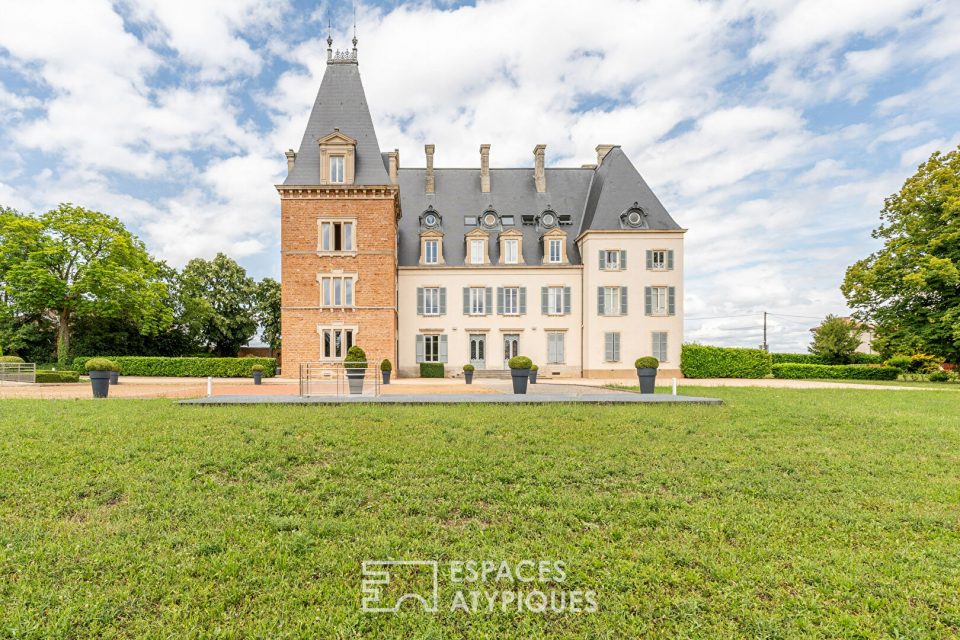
354 30
329 40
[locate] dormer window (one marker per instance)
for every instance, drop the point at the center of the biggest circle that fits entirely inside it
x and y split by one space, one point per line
476 252
337 152
548 219
511 247
634 218
430 219
490 219
555 247
336 169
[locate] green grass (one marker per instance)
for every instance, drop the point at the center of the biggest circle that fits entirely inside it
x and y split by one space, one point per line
782 514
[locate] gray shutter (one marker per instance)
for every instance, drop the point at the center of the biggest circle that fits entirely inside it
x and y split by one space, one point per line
466 300
672 301
649 259
419 301
603 262
669 259
419 347
648 301
543 300
443 301
623 300
443 348
608 347
500 301
523 300
599 301
623 259
566 299
488 301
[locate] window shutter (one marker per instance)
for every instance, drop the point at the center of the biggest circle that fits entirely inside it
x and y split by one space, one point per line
648 299
419 301
669 259
566 299
523 300
623 259
443 348
599 301
649 259
543 300
616 347
623 301
608 347
466 300
443 301
500 301
488 301
419 347
672 301
603 260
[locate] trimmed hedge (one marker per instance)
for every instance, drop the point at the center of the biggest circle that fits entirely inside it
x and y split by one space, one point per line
187 367
11 360
49 377
810 358
789 371
431 369
699 361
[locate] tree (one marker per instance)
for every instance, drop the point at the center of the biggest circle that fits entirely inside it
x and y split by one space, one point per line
836 340
219 304
71 263
910 288
268 311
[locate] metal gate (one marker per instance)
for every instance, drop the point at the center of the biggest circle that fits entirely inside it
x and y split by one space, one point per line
332 379
18 372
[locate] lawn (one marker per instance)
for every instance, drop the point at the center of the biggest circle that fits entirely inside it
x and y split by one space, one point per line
783 513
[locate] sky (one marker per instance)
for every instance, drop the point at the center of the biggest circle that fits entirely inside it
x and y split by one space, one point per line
772 130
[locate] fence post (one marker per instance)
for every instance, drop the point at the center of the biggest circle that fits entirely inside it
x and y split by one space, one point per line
674 386
209 386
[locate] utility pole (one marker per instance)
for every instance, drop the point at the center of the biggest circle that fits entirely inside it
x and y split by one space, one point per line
765 347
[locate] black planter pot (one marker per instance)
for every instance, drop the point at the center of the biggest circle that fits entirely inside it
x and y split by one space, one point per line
114 377
647 376
257 377
520 379
386 376
355 378
533 377
468 377
100 381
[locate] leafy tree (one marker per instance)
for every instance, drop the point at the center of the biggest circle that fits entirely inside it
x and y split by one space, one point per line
835 340
219 304
268 311
911 287
70 263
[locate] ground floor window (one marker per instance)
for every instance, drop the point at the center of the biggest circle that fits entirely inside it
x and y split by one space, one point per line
431 348
555 347
611 347
660 345
335 343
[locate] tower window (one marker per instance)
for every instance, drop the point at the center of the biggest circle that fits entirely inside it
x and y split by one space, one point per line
336 169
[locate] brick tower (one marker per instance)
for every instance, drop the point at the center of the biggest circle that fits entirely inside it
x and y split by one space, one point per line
339 209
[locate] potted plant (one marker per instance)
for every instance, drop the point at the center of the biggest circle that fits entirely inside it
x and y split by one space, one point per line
385 369
533 373
257 371
99 370
647 372
115 373
468 373
520 372
355 365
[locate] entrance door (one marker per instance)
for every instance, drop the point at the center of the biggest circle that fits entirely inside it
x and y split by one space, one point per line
478 351
511 347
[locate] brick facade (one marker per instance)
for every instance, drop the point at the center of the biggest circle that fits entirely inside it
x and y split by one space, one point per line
374 314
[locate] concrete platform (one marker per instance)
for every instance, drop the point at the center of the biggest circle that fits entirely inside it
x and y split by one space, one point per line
583 398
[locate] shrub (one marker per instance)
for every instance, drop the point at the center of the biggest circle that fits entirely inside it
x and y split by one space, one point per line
534 367
356 358
520 362
100 364
46 377
900 362
468 368
925 363
11 359
836 340
187 367
866 358
699 361
939 376
431 370
646 362
790 371
257 368
796 358
386 366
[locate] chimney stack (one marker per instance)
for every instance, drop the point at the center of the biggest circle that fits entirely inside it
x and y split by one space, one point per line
485 168
602 151
429 187
291 158
393 161
539 174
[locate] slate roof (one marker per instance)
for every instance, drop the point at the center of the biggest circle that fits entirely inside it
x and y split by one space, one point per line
341 104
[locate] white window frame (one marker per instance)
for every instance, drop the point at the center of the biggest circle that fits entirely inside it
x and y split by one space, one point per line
514 293
559 338
431 342
511 251
661 264
338 168
477 250
658 345
555 300
431 256
611 301
328 338
338 291
660 301
614 264
477 301
431 307
555 250
615 356
334 232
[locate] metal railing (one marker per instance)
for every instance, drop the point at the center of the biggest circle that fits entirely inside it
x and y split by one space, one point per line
18 372
333 379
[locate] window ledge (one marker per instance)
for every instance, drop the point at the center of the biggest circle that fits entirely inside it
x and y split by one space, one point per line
336 253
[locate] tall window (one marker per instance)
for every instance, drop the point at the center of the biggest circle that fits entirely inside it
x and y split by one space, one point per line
431 301
555 349
511 300
555 300
476 251
511 251
660 345
611 260
336 291
611 347
611 301
336 342
659 299
336 236
336 169
658 259
477 303
556 250
431 348
431 251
